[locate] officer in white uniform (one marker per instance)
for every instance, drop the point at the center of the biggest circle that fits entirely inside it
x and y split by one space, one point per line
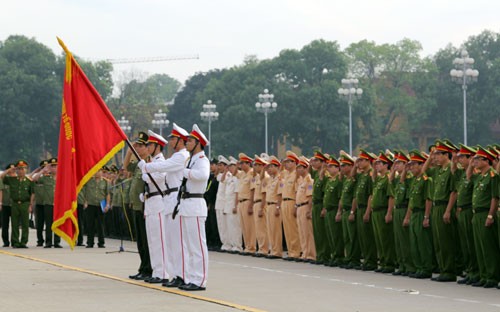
173 167
231 212
220 202
193 213
154 211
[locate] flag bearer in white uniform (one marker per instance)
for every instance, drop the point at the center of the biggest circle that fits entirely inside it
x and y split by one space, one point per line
193 213
173 167
154 211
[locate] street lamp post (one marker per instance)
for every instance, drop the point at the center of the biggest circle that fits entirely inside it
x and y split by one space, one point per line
464 74
266 105
350 92
160 121
124 125
209 114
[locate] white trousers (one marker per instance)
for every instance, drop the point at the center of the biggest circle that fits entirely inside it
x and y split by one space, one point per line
195 252
173 246
221 225
233 231
155 231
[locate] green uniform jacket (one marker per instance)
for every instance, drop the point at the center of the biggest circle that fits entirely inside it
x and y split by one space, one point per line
348 187
420 191
443 184
380 197
333 192
20 190
363 190
318 188
95 191
400 190
464 188
5 193
136 186
485 188
48 188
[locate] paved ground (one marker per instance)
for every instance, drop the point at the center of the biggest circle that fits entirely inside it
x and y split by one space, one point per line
92 280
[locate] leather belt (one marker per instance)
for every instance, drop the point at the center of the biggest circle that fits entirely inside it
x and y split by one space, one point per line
476 210
440 202
191 195
301 204
171 190
415 209
287 199
257 201
149 195
402 205
361 206
242 200
271 203
466 207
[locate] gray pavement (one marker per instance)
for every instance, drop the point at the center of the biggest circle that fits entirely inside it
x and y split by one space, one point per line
92 280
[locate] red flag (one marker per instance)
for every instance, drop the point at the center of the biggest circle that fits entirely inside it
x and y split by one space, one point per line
89 137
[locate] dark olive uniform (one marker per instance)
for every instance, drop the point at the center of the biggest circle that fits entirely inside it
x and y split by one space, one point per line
6 213
95 191
333 191
364 185
39 211
349 229
136 188
420 237
400 192
444 235
323 251
20 193
486 238
464 189
383 232
48 189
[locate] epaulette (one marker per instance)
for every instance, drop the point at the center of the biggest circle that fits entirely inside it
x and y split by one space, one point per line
492 173
425 177
201 156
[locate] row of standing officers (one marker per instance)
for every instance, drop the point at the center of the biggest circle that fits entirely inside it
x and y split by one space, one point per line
406 214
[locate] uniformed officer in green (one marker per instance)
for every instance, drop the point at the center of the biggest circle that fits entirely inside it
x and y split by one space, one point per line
464 188
5 206
323 251
485 196
399 189
418 217
95 191
46 178
39 202
443 212
346 206
333 221
22 192
381 205
363 172
137 186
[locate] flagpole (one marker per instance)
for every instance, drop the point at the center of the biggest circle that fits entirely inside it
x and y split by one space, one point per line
139 159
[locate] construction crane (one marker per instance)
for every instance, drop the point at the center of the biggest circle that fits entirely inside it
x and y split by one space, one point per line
152 59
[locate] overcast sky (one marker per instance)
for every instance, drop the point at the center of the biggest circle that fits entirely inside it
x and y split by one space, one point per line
223 32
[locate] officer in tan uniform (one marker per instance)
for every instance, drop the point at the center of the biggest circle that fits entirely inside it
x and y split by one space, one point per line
287 191
303 205
259 207
245 204
271 201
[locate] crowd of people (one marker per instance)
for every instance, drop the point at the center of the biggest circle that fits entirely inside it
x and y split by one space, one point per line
409 214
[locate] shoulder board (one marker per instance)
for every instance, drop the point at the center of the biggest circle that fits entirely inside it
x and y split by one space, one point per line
201 156
492 173
425 177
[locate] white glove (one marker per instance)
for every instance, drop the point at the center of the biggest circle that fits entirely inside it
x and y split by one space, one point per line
141 197
141 164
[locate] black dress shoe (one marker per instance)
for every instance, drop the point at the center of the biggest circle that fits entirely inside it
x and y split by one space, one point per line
80 244
89 246
490 284
57 246
134 277
6 245
157 280
176 282
191 287
101 246
143 277
23 246
39 244
444 279
463 281
47 246
397 273
478 284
